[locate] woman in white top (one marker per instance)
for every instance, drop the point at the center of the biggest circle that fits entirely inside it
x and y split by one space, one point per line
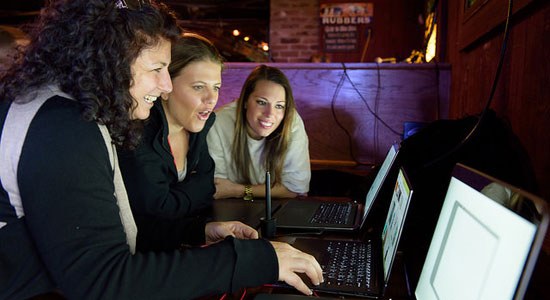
260 131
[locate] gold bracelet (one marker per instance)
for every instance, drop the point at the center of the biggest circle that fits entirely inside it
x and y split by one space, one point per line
248 193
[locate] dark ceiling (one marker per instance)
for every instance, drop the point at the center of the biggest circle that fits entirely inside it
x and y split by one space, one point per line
249 16
214 18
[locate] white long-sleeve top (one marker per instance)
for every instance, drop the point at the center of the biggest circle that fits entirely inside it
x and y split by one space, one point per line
296 169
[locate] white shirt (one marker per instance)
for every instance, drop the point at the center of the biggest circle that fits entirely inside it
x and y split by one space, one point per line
296 168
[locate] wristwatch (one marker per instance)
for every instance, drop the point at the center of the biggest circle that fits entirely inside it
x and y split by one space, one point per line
248 193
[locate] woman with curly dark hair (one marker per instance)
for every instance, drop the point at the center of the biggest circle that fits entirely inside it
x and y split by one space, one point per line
92 70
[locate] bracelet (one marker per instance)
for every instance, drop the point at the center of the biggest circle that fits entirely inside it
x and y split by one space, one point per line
248 193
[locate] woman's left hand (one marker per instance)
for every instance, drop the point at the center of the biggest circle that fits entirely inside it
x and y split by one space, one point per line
217 231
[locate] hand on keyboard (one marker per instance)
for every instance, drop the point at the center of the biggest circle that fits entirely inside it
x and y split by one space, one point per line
292 261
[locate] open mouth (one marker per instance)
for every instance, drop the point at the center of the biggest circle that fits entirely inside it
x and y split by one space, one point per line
203 115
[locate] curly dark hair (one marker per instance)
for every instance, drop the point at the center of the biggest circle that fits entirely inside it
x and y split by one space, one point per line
87 47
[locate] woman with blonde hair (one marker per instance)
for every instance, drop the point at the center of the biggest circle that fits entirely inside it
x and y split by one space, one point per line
170 175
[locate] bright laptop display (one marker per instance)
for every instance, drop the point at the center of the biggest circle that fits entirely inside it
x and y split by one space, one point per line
395 221
486 241
362 267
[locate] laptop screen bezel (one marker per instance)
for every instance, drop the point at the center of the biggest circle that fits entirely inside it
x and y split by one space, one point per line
378 182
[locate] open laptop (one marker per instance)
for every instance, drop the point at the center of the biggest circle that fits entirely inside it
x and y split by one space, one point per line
237 209
362 267
486 241
330 214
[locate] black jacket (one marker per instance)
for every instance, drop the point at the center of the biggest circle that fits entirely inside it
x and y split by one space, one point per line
163 207
71 237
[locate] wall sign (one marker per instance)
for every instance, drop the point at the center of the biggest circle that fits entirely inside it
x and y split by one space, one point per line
342 25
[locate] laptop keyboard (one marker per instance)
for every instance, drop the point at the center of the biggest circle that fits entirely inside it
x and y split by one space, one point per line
348 264
332 213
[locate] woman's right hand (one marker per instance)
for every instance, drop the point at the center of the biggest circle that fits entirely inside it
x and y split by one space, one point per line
292 261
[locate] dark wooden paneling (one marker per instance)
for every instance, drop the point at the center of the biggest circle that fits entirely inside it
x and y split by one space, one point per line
396 93
523 91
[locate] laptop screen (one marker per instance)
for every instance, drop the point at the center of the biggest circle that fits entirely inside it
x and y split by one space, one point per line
379 179
395 220
481 243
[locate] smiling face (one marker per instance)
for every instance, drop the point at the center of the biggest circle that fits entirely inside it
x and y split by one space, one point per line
265 109
150 78
195 94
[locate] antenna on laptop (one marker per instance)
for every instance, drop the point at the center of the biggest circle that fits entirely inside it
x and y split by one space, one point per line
267 196
269 223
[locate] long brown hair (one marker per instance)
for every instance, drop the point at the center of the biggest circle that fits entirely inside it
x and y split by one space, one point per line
276 143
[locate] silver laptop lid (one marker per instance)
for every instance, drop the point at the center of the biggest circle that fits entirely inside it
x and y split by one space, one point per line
486 241
378 181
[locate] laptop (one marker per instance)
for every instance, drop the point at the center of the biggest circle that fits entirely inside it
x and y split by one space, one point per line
334 214
486 241
362 267
237 209
263 296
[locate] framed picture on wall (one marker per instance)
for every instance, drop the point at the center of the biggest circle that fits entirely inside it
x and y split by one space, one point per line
472 6
479 17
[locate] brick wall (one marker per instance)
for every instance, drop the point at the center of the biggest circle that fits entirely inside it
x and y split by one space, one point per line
293 30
